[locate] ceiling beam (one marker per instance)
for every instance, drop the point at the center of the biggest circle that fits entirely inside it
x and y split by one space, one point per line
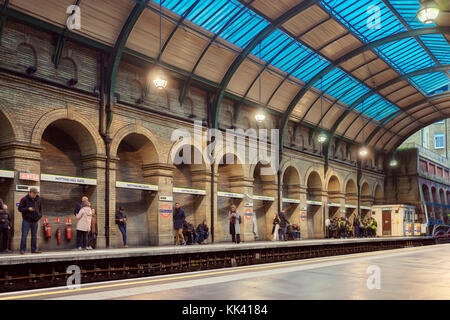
116 55
248 49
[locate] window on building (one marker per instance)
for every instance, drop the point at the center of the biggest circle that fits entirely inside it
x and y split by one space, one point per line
439 142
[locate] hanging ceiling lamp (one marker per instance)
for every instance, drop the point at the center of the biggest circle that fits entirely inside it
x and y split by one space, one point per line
322 137
428 12
393 163
160 81
260 115
363 152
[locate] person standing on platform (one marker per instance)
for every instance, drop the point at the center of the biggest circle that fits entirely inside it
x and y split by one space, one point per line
84 217
5 226
202 232
276 228
357 225
235 220
189 232
327 227
77 209
92 236
284 222
31 208
178 220
121 221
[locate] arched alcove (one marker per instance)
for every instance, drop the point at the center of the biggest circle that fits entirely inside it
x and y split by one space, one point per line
314 205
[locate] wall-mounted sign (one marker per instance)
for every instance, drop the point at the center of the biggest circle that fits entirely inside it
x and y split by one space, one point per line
417 229
29 176
288 200
165 210
336 205
365 208
248 214
230 195
263 198
25 188
7 174
303 216
408 229
166 198
350 206
314 203
189 191
387 209
137 186
68 179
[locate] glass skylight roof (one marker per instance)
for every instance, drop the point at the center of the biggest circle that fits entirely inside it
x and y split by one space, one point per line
405 55
237 24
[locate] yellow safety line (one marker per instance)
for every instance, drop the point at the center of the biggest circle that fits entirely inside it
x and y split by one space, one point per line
210 273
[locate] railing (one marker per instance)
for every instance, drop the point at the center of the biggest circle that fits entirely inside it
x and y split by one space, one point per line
427 153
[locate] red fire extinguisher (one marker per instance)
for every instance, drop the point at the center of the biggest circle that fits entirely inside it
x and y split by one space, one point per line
47 229
68 229
58 236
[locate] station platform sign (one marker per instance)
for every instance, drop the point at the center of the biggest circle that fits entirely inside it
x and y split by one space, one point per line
137 186
68 179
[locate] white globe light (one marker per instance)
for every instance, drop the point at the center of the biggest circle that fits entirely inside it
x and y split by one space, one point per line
160 80
260 116
393 163
322 137
428 12
363 152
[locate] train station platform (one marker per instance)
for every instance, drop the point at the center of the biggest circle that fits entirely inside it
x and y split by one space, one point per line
100 254
32 271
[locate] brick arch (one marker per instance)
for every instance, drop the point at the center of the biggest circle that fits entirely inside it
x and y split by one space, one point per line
221 153
177 145
253 167
16 131
123 132
68 114
353 179
290 163
310 171
331 174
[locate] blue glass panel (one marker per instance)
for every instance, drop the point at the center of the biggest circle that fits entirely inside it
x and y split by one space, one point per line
431 81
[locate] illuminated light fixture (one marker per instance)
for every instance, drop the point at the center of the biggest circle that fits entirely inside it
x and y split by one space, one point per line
428 12
322 137
260 116
393 163
160 80
363 152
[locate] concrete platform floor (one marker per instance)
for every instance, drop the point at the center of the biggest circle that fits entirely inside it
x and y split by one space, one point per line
70 255
410 273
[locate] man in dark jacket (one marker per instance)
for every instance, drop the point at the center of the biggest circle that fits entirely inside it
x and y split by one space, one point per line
5 226
31 208
284 222
121 221
178 220
202 232
189 232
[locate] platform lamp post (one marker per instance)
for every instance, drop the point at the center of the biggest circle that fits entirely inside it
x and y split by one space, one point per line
160 81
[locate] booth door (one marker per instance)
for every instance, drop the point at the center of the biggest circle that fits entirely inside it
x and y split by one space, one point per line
387 231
